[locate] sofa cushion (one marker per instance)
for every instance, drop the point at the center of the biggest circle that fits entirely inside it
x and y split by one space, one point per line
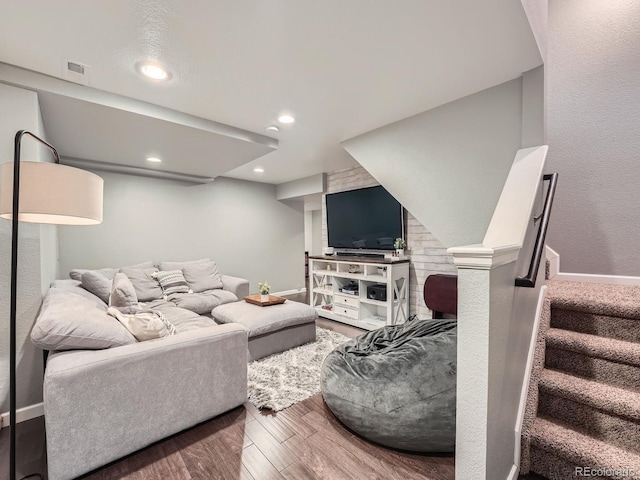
202 276
76 273
97 283
68 321
172 281
184 320
181 265
123 294
147 288
203 302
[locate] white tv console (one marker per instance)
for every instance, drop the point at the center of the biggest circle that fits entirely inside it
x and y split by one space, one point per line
329 275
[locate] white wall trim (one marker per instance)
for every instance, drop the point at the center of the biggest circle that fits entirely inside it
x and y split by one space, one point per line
525 384
553 258
592 278
290 292
480 257
23 414
513 474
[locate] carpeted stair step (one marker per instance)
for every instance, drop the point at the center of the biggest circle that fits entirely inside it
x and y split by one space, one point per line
597 298
627 329
556 452
605 360
588 420
606 398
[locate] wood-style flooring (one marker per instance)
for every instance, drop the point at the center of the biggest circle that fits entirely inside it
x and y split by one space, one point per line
302 442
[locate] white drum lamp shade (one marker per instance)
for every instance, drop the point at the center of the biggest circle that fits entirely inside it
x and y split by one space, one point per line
52 193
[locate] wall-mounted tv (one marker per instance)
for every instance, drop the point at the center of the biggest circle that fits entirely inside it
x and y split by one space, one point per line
366 218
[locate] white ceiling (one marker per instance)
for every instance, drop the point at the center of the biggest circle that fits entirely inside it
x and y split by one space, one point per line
342 67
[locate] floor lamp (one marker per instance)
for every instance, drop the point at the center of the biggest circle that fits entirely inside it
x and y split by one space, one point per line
41 193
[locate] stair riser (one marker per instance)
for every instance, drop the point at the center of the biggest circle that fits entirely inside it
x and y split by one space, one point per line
605 371
606 326
553 467
610 428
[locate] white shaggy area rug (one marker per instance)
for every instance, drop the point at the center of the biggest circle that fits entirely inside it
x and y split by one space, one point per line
278 381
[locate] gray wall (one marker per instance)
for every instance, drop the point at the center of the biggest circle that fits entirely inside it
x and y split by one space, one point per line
316 235
448 165
593 102
239 224
21 111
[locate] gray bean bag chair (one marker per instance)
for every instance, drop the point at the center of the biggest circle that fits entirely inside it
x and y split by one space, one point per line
396 386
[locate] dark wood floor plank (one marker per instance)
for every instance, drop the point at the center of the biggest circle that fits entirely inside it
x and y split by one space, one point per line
214 459
296 471
279 455
317 454
158 462
395 465
258 465
272 423
292 418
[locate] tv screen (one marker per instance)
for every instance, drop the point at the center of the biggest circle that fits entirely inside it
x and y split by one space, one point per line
367 218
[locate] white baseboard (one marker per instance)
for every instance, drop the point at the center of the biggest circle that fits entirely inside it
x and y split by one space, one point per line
290 292
23 414
513 474
591 278
525 384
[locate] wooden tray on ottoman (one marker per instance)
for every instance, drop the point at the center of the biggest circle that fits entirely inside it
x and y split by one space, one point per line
273 300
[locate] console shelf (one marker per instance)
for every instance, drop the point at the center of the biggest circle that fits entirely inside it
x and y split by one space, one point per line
331 274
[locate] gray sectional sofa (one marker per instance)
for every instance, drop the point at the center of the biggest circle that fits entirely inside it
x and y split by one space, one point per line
107 395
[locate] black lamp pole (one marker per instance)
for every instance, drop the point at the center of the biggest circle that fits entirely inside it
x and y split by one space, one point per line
14 290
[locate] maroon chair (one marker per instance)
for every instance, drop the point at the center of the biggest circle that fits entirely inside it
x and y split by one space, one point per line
440 293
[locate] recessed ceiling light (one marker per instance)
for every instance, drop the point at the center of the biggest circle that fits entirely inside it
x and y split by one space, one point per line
153 71
258 170
286 119
154 159
272 128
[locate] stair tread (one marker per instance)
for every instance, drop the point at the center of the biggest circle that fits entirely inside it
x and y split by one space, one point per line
600 298
581 449
620 351
607 398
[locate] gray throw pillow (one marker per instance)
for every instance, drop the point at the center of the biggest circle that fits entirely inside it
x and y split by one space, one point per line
202 276
76 273
180 265
96 283
147 288
68 321
123 294
171 282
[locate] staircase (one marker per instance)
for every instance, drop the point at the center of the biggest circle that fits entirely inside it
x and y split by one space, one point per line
583 408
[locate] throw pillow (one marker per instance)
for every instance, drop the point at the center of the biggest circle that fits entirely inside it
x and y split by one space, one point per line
147 288
202 276
96 283
180 265
76 273
123 294
172 281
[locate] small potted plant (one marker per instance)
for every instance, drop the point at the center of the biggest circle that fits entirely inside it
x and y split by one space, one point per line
399 244
263 288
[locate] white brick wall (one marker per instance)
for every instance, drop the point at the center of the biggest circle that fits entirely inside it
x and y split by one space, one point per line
427 254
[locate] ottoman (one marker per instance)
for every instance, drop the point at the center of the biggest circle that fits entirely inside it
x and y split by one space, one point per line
271 329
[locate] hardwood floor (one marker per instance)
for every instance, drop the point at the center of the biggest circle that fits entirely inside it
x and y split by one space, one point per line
304 441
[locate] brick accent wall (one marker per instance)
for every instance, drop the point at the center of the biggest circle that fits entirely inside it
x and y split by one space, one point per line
427 254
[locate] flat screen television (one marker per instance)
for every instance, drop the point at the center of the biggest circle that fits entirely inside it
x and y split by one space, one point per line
366 218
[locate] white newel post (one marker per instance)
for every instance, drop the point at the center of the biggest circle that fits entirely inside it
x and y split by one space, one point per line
485 295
